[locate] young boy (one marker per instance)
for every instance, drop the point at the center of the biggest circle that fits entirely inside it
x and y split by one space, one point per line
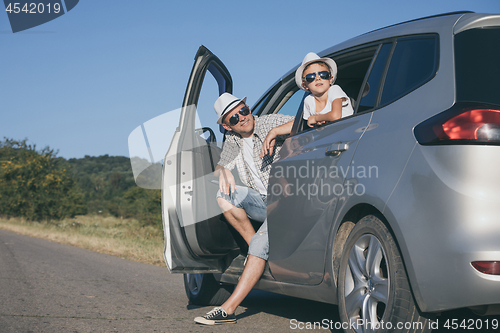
315 75
327 102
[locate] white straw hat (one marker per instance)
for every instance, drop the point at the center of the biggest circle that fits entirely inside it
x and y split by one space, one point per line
313 57
225 103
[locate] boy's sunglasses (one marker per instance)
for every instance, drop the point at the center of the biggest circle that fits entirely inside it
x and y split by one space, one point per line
235 118
325 75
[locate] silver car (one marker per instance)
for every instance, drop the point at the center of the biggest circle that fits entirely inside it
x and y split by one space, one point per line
392 213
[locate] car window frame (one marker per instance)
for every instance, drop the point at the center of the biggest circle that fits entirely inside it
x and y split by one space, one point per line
382 76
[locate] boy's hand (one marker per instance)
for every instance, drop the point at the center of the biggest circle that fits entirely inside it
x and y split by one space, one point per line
268 144
312 121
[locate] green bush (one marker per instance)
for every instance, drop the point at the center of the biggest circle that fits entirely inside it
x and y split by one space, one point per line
36 184
145 205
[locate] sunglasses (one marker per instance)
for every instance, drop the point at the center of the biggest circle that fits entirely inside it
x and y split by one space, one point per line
235 118
325 75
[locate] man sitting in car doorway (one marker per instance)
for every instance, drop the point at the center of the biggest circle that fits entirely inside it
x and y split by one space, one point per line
240 204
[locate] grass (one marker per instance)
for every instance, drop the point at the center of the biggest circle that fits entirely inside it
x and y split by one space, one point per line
125 238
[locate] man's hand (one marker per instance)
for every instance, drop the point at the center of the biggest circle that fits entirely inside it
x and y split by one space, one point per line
268 144
227 185
270 140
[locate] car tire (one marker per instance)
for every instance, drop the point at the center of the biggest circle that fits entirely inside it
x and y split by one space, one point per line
373 287
203 289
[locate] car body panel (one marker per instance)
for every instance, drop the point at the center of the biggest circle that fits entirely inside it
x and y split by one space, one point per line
305 186
445 209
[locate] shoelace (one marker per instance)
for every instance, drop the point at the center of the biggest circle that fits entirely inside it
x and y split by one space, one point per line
215 312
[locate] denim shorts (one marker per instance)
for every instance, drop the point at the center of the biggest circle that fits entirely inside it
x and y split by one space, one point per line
254 205
248 199
259 245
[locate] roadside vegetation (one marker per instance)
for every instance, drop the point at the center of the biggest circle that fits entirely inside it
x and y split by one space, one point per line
91 202
126 238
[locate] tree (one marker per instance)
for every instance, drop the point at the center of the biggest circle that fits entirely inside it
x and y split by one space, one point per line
143 204
36 184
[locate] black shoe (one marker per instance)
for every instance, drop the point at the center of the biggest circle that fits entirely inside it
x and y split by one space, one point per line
215 317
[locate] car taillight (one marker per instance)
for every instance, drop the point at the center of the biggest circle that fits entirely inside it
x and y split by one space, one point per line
487 267
464 123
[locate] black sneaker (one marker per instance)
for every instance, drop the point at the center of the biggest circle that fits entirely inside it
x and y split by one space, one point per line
215 317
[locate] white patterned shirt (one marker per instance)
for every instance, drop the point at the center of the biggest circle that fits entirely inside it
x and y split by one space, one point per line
232 151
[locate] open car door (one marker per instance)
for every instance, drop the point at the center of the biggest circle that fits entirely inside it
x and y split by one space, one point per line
197 239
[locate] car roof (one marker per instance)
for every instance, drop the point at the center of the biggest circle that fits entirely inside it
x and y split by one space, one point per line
423 18
453 22
430 24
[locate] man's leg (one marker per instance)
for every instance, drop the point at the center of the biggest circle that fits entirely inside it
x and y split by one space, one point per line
251 274
225 313
238 218
258 252
241 205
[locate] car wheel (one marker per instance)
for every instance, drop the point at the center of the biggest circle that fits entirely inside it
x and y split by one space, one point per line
203 289
373 289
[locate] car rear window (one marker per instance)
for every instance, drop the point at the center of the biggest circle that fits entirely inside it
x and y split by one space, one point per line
477 65
413 63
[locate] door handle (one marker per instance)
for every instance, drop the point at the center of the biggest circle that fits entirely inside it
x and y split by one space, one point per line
336 149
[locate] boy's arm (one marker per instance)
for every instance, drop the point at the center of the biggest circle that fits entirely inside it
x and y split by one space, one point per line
270 140
334 114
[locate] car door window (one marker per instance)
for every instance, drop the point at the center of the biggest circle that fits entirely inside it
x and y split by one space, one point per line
259 107
352 69
413 63
370 91
206 116
290 104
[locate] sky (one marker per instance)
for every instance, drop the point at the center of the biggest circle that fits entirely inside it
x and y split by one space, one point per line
82 83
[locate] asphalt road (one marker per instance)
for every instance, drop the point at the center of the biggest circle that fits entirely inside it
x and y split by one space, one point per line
49 287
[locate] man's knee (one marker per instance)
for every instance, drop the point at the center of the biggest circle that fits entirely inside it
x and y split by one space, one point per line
224 204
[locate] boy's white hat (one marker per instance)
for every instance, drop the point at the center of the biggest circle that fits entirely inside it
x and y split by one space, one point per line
225 103
313 57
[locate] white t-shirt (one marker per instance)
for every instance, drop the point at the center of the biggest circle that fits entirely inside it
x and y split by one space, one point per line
248 157
333 93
